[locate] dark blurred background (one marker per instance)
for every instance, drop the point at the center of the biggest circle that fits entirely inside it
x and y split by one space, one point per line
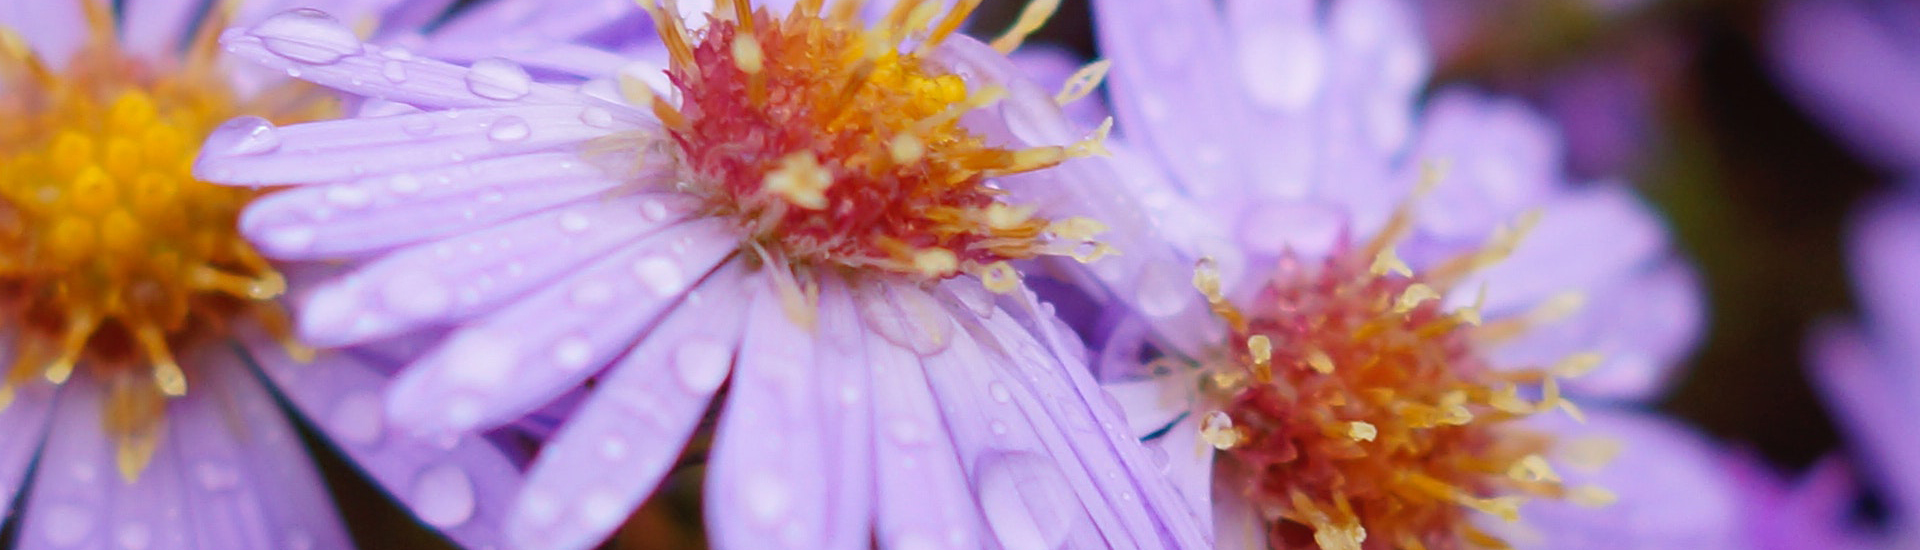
1756 192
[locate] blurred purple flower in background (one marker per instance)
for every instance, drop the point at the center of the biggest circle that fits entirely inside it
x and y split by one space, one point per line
1288 149
791 213
1869 370
139 326
1856 66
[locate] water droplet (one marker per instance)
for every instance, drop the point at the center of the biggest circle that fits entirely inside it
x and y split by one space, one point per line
1026 499
1164 290
404 184
65 525
906 433
766 495
509 129
999 392
908 317
293 239
596 117
349 196
418 125
573 352
247 135
397 53
495 78
358 418
574 222
395 71
484 360
443 496
133 535
613 448
702 364
415 294
592 293
653 210
998 427
1157 453
603 509
660 274
214 476
307 36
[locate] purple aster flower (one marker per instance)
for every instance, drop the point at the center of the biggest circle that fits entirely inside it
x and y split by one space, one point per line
814 218
1856 66
1380 373
148 355
1869 371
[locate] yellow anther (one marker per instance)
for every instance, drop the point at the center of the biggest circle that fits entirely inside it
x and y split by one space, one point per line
1077 228
1388 262
1083 82
1533 468
1206 279
1592 496
1590 454
747 54
1507 507
936 262
133 452
1340 537
1002 216
1576 365
1216 429
905 148
1362 431
1319 362
1031 19
1413 296
1261 348
801 180
1000 277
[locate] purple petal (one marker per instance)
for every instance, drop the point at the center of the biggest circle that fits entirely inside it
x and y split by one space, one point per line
615 448
1643 327
1497 158
468 275
922 495
25 423
1846 63
1673 493
309 223
53 30
1884 254
768 485
1586 239
1166 88
1867 395
157 26
843 396
337 60
502 367
458 485
249 151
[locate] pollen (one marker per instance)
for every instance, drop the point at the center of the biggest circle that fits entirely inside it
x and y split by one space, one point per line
113 259
1358 411
838 144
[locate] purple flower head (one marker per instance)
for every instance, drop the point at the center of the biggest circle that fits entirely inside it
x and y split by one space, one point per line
1869 371
1379 371
1856 65
806 217
147 353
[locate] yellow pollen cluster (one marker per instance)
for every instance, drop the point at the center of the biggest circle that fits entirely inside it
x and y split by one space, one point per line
1359 413
839 144
112 257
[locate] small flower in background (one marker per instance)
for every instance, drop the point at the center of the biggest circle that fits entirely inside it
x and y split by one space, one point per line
1389 376
813 217
137 322
1868 370
1855 66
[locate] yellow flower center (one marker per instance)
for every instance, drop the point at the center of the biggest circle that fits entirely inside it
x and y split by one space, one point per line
1358 412
836 144
112 256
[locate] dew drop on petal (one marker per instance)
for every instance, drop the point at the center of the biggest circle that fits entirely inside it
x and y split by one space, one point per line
573 352
596 117
443 496
660 274
602 509
509 129
1026 499
65 525
395 71
247 135
308 36
415 294
766 495
999 392
133 535
215 476
702 364
349 196
289 240
357 418
418 125
495 78
1164 290
574 222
